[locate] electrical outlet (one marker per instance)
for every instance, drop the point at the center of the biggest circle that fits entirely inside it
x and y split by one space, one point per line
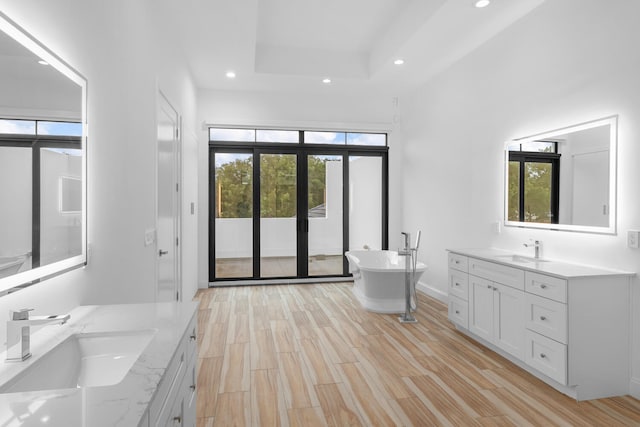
632 239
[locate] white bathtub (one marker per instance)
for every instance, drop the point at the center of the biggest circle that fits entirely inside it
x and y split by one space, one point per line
378 279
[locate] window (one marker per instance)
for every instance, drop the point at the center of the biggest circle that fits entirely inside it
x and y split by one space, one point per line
289 203
534 182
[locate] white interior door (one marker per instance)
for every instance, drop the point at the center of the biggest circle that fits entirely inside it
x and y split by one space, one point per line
168 213
591 189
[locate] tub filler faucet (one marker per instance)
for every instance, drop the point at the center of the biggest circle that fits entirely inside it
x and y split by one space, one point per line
19 332
411 260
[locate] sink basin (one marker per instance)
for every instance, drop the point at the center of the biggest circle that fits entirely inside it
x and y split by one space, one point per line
521 259
83 360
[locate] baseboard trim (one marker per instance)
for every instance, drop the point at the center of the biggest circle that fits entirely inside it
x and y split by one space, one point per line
433 292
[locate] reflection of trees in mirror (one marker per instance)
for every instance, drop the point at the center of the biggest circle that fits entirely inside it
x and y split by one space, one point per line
537 197
538 186
278 194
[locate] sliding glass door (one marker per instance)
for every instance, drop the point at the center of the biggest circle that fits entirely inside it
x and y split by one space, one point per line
290 210
325 214
233 213
278 215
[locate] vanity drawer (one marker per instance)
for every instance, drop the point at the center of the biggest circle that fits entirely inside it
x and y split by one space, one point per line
458 262
546 317
192 338
546 286
499 273
459 284
547 356
459 312
167 390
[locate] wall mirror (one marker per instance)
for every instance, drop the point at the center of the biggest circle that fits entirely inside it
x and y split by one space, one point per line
563 179
42 161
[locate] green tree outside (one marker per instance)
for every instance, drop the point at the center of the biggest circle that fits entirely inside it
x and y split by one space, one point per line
278 186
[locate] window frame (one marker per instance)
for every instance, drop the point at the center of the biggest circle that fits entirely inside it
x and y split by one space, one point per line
301 150
524 157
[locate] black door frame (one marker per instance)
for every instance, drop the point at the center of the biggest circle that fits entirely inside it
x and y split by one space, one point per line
302 152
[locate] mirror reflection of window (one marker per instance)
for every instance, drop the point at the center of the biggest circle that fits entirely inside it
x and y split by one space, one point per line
563 179
44 213
534 184
15 215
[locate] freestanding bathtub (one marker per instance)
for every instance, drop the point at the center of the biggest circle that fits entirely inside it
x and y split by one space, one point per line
378 279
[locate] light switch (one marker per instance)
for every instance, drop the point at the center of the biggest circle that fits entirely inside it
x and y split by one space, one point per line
632 238
149 236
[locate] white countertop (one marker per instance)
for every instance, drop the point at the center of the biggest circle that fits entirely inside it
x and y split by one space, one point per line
560 269
122 404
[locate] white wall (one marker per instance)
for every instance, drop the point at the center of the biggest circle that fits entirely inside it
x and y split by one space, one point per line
125 51
329 110
565 63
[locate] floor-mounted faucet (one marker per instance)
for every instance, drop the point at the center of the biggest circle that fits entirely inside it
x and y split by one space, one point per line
411 260
536 246
19 332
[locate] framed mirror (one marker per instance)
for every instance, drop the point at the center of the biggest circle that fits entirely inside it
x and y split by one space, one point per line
563 179
43 134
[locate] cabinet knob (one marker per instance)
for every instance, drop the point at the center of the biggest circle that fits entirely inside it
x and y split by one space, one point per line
457 311
192 337
177 421
543 318
543 286
457 262
457 284
489 286
192 387
542 355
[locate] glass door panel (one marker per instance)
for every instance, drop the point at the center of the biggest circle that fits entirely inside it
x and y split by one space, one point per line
233 215
365 202
325 215
278 216
537 192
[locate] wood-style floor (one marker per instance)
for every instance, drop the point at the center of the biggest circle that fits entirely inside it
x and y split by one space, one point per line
309 355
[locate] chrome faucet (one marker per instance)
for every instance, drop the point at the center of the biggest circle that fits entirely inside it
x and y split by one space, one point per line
536 246
406 250
19 332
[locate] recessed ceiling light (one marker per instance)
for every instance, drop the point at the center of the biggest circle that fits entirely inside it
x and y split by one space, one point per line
231 75
399 61
326 81
482 3
43 62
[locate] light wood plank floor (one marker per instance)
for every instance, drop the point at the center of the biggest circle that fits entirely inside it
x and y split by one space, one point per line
309 355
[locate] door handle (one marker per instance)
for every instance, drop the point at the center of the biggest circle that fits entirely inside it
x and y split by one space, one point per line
161 252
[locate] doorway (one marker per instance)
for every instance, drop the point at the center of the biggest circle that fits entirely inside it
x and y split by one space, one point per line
168 202
284 211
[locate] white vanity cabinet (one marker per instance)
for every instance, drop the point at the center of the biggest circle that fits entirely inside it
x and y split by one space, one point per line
174 403
567 324
495 308
458 290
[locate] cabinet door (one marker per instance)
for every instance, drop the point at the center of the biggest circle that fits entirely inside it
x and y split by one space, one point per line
481 307
509 312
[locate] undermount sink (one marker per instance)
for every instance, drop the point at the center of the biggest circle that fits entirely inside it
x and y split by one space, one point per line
520 259
83 360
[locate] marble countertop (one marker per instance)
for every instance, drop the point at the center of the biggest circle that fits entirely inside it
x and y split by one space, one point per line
560 269
122 404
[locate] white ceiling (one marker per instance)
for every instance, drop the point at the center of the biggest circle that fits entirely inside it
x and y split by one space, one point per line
291 45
